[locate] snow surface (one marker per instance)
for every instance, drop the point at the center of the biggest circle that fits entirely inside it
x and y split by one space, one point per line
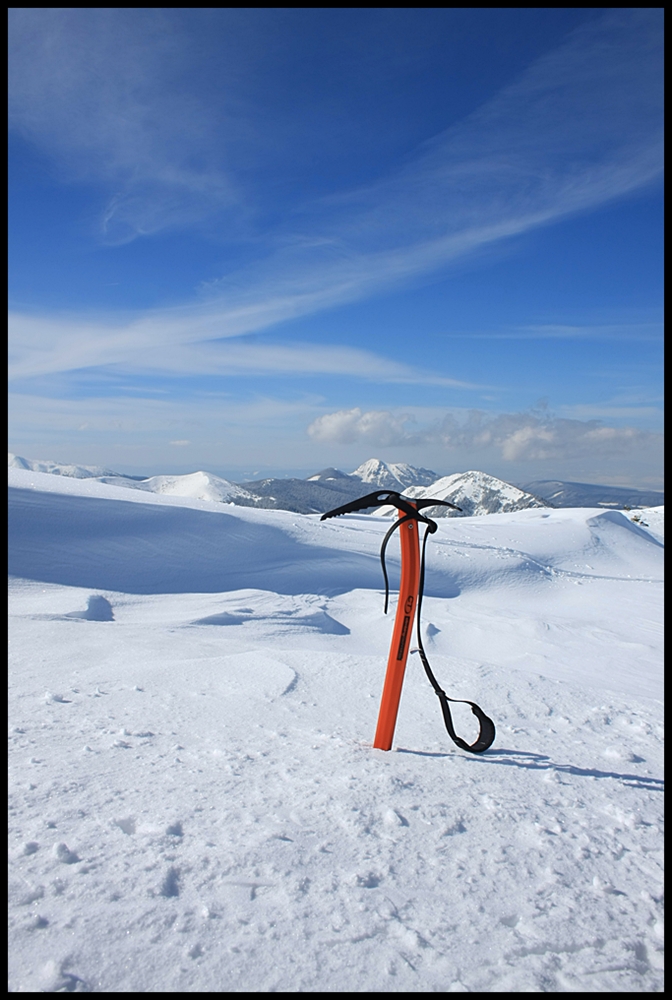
195 805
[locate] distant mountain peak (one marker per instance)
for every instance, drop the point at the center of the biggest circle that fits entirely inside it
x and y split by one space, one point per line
475 493
393 475
327 474
57 468
195 485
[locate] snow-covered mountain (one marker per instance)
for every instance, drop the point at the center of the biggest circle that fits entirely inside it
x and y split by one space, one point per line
196 485
58 468
475 493
568 494
315 495
329 475
393 475
331 487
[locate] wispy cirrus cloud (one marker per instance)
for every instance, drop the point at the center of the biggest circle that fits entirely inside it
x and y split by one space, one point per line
613 411
162 346
636 331
580 127
232 358
99 90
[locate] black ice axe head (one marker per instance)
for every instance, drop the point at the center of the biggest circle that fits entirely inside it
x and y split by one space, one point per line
410 507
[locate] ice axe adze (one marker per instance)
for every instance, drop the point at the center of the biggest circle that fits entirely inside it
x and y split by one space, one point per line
410 601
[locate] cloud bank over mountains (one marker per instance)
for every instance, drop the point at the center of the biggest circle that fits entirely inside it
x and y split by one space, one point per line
516 436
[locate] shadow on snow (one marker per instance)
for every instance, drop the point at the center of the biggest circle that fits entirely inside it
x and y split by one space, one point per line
138 548
541 762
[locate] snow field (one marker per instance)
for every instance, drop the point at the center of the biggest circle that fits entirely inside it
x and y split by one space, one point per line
194 802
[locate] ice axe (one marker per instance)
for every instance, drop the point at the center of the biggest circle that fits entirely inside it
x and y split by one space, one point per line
411 588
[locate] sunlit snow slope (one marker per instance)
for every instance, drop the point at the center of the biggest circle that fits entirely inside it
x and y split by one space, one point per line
195 805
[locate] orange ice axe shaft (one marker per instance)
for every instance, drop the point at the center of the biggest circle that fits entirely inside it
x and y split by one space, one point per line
401 636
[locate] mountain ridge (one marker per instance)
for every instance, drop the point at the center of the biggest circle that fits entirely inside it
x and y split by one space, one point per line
474 491
563 493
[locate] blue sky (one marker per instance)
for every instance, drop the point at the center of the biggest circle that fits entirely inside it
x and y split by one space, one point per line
268 240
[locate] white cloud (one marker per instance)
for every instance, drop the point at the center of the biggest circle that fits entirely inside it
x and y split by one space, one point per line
515 437
375 427
537 436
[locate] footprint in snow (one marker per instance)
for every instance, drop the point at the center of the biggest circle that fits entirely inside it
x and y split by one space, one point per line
126 824
65 855
368 881
170 887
